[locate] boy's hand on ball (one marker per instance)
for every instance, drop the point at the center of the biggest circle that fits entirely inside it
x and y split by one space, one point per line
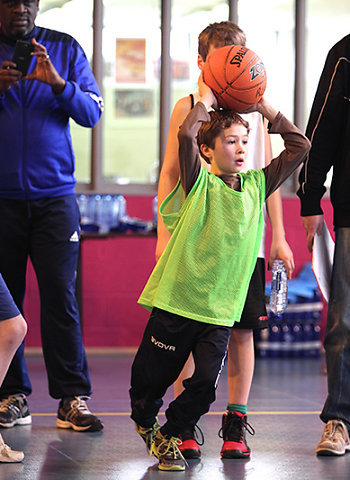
206 94
266 109
250 109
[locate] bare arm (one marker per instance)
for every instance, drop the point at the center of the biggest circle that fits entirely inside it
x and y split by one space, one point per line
170 171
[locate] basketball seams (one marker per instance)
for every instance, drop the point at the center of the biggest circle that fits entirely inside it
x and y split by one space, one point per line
247 85
215 79
241 72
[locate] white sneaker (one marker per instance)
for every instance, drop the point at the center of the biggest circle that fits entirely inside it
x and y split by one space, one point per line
7 455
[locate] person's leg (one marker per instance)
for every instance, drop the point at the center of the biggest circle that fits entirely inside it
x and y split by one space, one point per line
165 345
54 256
12 333
15 221
13 329
190 446
186 372
54 249
240 367
336 410
209 352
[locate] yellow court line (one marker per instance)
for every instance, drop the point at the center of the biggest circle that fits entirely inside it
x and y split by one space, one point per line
124 414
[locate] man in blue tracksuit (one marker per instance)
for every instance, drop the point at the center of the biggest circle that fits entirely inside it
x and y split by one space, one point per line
39 216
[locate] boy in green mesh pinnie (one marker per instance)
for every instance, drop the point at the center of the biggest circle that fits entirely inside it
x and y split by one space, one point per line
197 290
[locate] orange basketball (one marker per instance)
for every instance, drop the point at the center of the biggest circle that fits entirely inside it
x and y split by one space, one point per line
236 76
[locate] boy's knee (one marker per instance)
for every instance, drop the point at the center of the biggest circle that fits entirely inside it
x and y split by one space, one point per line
21 328
16 330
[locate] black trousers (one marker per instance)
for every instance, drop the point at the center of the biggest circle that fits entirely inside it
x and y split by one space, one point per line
47 231
167 342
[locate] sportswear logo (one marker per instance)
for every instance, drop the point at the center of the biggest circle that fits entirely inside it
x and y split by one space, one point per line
159 344
74 237
98 100
238 57
256 70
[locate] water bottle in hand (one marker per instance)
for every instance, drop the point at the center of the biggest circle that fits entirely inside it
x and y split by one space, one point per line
279 288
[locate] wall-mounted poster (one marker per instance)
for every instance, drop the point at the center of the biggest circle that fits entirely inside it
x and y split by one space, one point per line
130 60
134 103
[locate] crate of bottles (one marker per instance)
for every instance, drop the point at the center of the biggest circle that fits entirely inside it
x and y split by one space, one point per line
108 213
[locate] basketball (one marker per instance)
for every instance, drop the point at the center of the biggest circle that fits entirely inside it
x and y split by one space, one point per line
236 76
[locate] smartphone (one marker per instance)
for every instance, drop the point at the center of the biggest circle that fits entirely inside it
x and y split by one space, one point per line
22 57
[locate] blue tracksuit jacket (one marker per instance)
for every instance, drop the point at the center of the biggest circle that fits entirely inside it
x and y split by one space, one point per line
36 153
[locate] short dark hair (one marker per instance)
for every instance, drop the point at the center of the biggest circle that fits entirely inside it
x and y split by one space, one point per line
220 34
219 120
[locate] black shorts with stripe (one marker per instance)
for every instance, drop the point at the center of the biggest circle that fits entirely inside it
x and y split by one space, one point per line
254 315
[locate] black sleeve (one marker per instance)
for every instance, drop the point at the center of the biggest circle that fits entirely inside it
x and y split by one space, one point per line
325 129
189 158
296 147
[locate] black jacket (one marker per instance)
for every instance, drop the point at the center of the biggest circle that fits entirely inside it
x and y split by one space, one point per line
329 131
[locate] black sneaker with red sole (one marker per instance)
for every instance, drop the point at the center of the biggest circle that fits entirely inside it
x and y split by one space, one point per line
233 432
191 440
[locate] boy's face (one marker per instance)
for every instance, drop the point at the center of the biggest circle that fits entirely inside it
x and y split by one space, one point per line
230 150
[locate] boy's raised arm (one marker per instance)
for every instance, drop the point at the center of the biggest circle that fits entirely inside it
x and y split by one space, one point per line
189 157
295 143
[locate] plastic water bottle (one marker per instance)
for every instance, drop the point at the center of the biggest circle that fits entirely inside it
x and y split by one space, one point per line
122 208
115 211
279 288
96 209
105 220
87 213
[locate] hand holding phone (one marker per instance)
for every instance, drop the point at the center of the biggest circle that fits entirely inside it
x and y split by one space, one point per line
22 56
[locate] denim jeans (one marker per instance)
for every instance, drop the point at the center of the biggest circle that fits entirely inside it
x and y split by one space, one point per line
337 337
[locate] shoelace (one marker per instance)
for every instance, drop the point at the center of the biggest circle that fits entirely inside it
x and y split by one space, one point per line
78 405
331 428
195 433
235 426
149 439
8 402
171 445
148 435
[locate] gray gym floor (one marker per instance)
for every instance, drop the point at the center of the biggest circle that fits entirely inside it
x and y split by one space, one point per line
286 398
